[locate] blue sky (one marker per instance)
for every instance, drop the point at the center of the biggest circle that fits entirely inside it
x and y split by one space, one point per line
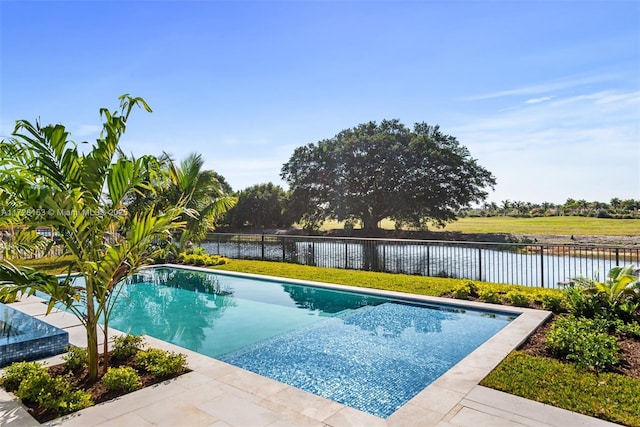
545 94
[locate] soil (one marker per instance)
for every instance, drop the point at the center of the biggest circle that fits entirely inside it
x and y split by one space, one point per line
99 392
629 355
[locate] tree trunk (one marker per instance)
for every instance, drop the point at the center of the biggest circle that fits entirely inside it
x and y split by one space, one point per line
105 346
92 334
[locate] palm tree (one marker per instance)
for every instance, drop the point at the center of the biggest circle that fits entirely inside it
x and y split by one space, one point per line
82 198
203 194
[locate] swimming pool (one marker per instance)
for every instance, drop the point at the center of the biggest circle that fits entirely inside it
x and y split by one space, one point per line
362 350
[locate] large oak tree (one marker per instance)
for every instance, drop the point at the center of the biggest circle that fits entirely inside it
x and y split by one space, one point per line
376 171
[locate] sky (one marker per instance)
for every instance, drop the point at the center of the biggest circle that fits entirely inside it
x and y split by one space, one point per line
544 94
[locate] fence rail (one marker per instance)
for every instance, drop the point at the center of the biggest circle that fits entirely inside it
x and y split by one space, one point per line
542 265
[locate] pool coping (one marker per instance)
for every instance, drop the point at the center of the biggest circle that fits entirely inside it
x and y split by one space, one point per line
436 404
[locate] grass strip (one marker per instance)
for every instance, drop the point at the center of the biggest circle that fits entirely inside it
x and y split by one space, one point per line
50 265
431 286
608 396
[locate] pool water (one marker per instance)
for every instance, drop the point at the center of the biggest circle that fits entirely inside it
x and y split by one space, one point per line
367 352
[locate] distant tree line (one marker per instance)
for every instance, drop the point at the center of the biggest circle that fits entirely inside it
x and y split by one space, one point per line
616 208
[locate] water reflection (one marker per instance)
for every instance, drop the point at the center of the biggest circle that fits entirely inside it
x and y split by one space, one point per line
328 301
181 306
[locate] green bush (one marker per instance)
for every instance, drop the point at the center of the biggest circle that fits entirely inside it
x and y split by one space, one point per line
583 341
76 358
161 363
465 290
123 378
17 371
583 304
126 346
53 393
517 298
490 296
619 327
202 259
552 301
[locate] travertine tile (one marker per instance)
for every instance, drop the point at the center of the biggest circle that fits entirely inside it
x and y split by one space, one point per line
170 412
238 412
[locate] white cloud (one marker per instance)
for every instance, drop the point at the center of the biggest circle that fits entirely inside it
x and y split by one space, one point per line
585 146
538 100
546 87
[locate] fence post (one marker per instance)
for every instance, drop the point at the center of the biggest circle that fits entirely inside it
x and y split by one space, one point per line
617 257
262 255
479 263
346 255
541 266
428 261
284 251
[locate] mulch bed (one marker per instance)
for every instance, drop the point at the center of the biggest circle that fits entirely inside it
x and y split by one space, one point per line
629 350
99 392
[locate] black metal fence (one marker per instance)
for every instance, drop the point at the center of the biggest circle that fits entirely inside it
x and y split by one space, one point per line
542 265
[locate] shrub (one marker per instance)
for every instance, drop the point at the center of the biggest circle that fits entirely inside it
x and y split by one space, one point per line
465 290
583 341
161 363
201 259
490 296
582 304
16 372
76 358
517 298
617 296
126 346
123 378
553 302
53 393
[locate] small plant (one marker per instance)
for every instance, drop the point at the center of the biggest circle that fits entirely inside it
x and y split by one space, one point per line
631 329
123 378
490 296
465 290
583 304
161 363
126 346
553 302
202 259
517 298
76 358
17 371
617 296
52 393
583 341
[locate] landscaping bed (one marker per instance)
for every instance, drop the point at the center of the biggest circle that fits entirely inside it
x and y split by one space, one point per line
629 364
55 391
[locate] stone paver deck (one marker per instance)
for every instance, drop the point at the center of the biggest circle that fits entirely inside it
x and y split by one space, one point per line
217 394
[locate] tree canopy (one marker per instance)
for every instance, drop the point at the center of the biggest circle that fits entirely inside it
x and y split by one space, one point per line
376 171
81 195
260 206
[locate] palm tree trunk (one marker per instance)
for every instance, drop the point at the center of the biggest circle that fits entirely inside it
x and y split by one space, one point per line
92 334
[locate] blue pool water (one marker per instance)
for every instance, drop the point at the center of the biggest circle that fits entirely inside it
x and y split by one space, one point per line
371 353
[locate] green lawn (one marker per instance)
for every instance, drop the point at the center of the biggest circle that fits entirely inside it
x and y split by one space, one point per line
566 225
563 225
